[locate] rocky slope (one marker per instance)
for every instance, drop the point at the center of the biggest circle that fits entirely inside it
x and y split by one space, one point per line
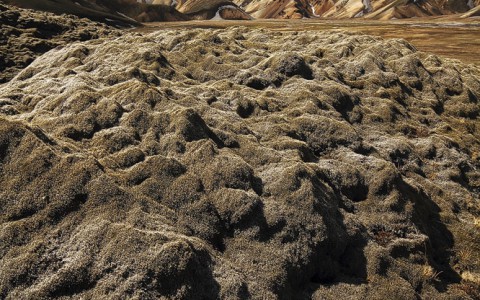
339 9
26 34
208 9
240 164
129 11
92 9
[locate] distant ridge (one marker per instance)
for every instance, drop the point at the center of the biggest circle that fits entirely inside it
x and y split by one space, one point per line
131 12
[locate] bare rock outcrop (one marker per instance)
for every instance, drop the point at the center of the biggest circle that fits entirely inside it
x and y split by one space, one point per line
240 164
342 9
130 12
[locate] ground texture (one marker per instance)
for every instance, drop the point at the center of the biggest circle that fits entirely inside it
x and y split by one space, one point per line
240 163
26 34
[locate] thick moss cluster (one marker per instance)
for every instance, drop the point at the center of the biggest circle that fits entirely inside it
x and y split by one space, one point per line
152 165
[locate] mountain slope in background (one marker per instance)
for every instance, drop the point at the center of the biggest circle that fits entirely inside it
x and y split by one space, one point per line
81 8
373 9
116 12
131 11
208 9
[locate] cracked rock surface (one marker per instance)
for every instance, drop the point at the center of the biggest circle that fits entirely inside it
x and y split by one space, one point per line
240 164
